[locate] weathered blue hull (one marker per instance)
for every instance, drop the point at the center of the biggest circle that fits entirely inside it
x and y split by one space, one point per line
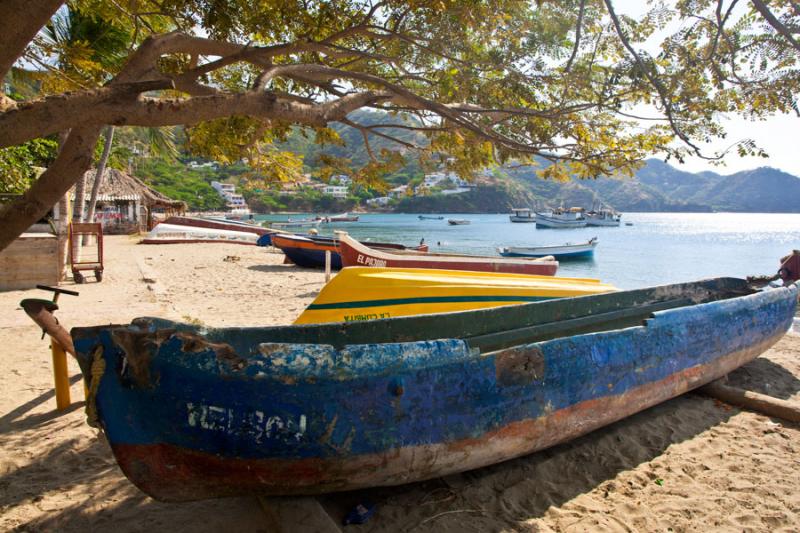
193 416
308 258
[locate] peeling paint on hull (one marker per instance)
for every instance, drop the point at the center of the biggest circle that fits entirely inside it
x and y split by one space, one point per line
309 419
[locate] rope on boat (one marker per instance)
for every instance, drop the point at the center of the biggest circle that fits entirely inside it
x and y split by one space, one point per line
98 368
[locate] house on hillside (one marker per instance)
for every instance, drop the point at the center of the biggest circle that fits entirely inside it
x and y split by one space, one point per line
233 200
337 191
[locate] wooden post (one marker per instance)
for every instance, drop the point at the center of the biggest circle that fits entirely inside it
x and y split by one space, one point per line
752 400
60 375
327 266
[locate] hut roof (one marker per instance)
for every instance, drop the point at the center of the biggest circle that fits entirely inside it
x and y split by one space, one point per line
118 185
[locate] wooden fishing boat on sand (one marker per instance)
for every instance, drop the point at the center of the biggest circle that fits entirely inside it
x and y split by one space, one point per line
309 250
562 252
217 223
165 233
355 253
361 293
192 412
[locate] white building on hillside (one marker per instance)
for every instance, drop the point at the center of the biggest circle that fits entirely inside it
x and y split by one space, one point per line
337 191
381 201
399 191
234 201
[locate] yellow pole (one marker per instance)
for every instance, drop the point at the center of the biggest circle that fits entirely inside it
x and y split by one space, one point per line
60 374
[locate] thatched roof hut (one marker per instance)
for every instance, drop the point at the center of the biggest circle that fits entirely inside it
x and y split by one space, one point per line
125 203
120 186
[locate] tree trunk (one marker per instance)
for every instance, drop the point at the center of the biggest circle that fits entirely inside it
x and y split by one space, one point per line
73 160
62 234
79 204
98 177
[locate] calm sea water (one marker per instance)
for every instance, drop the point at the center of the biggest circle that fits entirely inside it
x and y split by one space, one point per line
658 248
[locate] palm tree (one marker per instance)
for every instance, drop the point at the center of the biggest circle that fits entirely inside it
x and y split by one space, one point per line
88 50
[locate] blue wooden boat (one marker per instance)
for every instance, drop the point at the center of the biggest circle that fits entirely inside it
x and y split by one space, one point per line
563 252
193 412
309 250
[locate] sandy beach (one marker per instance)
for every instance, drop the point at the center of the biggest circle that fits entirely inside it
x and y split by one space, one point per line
686 465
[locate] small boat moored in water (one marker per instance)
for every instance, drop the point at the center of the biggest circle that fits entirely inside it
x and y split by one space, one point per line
423 217
522 215
296 224
562 252
360 293
561 218
192 412
344 217
355 253
603 217
458 221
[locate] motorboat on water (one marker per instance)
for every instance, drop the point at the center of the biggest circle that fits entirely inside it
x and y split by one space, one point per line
603 217
561 218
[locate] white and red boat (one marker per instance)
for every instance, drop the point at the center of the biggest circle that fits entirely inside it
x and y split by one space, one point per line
355 253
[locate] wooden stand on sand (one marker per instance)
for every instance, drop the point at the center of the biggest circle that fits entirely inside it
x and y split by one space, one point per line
297 514
761 403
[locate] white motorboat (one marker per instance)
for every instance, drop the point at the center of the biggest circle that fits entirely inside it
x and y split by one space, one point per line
603 217
561 218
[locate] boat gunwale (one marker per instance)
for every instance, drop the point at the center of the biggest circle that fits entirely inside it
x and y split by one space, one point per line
428 353
469 323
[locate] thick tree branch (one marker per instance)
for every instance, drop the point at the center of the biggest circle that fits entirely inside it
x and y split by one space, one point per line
73 160
20 21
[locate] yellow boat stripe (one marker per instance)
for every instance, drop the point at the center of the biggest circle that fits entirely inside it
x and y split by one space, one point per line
427 300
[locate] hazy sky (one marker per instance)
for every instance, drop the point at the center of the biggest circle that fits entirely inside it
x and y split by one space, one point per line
778 135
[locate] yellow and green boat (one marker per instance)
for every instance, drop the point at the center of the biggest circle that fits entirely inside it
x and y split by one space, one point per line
366 293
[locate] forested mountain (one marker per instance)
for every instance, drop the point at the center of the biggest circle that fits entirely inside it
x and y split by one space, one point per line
661 187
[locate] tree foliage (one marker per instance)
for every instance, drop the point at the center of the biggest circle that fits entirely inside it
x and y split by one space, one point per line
485 81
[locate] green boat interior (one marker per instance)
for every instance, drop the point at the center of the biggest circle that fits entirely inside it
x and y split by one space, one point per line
485 329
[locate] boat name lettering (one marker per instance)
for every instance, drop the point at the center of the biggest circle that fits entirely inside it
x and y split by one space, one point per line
254 423
369 316
370 261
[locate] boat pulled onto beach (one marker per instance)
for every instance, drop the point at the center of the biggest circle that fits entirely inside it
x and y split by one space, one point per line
309 250
363 293
192 412
355 253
